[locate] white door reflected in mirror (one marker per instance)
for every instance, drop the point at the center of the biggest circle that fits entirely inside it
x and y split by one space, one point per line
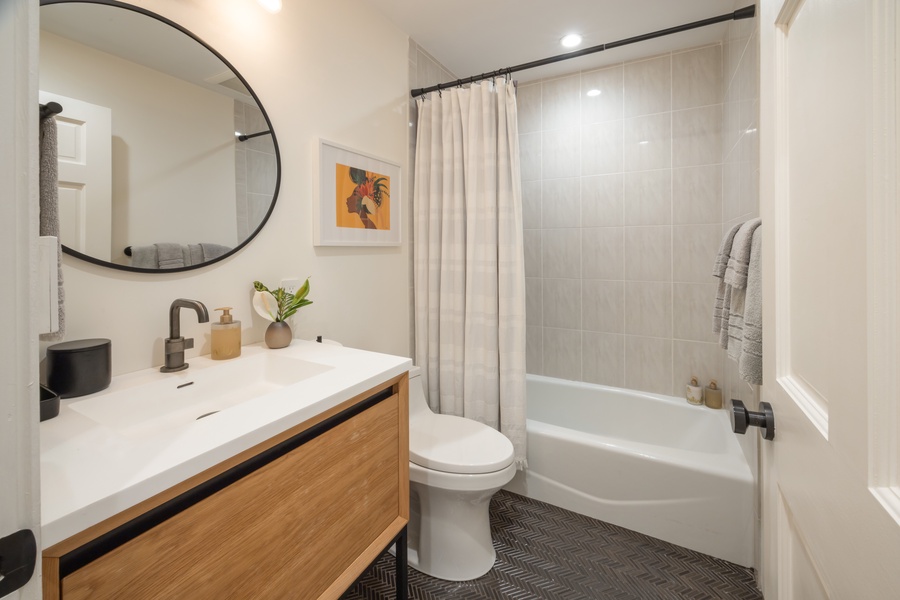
84 135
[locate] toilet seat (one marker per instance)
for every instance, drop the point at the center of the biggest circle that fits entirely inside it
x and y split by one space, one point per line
457 445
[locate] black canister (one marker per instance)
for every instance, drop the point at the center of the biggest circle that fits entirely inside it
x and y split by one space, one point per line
79 367
49 403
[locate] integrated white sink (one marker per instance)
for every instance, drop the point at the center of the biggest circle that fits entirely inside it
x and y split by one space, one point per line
174 400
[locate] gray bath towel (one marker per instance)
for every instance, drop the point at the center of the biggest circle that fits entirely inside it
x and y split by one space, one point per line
720 312
739 260
736 323
48 174
725 252
196 254
211 251
144 257
750 363
171 256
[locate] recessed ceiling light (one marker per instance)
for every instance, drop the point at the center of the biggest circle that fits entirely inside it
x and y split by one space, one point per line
571 40
593 93
273 6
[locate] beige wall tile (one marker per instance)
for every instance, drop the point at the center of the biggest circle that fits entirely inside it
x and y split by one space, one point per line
648 198
562 303
648 364
648 86
697 77
603 358
603 305
602 200
608 105
562 353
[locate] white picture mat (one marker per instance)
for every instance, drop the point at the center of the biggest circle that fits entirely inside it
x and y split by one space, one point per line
326 232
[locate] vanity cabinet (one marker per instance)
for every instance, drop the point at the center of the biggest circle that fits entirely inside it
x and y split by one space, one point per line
299 516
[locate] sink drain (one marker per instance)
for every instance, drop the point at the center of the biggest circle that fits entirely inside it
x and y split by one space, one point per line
206 415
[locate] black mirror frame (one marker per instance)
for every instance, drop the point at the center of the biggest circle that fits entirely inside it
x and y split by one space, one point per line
262 223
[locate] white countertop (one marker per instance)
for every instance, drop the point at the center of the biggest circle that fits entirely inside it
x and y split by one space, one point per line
90 472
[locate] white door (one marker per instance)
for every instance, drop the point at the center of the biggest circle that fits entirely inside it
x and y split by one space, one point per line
84 132
828 164
19 444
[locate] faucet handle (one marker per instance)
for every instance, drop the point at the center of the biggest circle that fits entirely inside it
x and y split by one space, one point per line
188 343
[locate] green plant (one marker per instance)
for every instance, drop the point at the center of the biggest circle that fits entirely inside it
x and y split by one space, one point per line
285 303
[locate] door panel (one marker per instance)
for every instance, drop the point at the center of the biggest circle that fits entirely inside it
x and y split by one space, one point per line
84 136
825 534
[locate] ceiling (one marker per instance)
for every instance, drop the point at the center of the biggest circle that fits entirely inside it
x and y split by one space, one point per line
470 37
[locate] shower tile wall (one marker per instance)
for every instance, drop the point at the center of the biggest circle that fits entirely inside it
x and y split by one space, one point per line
254 167
740 149
424 71
623 216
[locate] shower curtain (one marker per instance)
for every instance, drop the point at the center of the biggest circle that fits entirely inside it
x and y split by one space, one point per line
469 274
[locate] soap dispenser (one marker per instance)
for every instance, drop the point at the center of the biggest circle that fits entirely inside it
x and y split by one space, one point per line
225 338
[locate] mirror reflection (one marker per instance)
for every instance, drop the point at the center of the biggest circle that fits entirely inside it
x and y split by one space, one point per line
152 173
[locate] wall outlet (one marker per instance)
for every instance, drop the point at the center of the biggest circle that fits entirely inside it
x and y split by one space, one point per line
290 285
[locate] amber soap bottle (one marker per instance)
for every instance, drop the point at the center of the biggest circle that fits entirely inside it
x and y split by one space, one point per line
225 337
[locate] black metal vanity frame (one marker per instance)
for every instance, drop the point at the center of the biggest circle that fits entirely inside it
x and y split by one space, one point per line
259 104
87 553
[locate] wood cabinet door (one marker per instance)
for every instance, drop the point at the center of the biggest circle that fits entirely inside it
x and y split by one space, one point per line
303 526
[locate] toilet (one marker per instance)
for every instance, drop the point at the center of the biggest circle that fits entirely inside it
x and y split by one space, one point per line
455 466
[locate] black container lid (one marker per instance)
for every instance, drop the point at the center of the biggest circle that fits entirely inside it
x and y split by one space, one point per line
78 345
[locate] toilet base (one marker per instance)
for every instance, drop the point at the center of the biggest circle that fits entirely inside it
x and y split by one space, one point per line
453 540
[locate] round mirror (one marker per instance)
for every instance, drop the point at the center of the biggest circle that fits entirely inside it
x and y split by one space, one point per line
167 159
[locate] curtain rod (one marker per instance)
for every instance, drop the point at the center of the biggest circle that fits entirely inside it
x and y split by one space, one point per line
744 13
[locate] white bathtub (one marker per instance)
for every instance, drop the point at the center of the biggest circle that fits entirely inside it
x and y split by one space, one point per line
654 464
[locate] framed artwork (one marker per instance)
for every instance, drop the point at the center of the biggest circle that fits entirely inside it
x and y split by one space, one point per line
357 200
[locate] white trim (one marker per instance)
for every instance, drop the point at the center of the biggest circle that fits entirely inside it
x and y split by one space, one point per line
884 258
813 404
19 431
808 399
789 11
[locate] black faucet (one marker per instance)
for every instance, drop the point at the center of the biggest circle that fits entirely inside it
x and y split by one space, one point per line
175 344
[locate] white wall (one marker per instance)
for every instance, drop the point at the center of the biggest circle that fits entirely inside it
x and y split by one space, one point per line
159 125
316 77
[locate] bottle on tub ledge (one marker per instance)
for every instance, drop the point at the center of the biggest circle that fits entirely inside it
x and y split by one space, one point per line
712 395
693 392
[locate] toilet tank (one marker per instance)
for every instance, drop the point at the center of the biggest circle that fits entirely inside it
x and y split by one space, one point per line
418 404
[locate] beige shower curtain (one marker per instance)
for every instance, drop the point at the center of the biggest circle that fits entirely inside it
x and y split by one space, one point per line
469 260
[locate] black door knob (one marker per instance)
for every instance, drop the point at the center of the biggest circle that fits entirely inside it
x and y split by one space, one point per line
741 418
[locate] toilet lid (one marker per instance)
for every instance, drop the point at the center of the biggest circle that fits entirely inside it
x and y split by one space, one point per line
457 445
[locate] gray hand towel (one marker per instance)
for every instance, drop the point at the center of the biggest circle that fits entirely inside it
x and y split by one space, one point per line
171 256
738 261
720 312
750 363
725 252
48 175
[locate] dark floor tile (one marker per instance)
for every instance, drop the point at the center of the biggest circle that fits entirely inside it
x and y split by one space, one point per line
548 553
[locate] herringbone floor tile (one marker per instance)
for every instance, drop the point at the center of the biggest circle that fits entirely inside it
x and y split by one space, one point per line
548 553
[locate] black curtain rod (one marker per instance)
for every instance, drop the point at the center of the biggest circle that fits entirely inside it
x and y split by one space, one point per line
744 13
50 109
246 136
